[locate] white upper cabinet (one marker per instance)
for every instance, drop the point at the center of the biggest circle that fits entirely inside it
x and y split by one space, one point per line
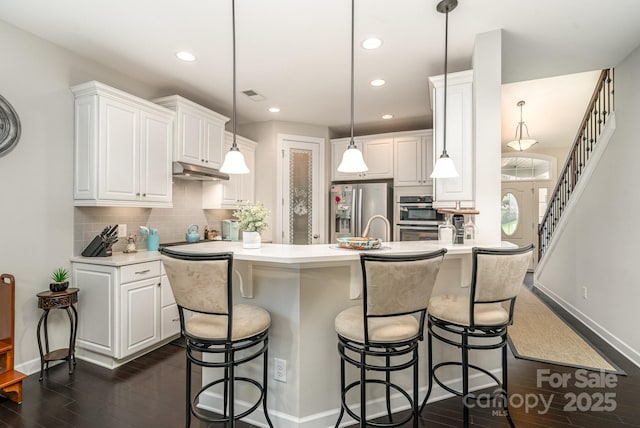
459 136
377 154
122 149
413 157
239 188
199 133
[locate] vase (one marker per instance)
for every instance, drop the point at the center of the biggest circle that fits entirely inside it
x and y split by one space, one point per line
251 240
57 287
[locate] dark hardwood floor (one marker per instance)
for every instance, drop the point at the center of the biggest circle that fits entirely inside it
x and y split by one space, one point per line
148 392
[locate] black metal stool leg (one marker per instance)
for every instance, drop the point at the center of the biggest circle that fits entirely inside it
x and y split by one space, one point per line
429 365
188 388
342 382
265 358
388 388
504 383
465 378
363 391
415 388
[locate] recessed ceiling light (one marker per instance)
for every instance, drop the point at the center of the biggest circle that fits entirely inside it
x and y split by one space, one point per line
372 43
274 109
186 56
377 82
387 116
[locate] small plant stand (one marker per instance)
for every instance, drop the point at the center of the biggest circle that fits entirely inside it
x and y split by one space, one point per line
48 300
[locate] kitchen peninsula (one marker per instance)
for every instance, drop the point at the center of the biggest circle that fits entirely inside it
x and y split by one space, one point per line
303 287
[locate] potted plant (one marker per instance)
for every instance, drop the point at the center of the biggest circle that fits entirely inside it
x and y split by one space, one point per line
251 218
60 279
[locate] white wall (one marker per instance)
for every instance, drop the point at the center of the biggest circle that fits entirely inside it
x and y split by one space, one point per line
36 187
596 250
487 102
266 134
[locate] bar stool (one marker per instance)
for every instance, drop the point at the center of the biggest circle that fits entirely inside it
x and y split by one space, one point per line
482 316
382 334
218 334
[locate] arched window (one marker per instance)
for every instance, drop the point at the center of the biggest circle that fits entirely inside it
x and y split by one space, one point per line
515 168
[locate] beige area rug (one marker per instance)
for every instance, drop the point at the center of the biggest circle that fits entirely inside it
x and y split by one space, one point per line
538 334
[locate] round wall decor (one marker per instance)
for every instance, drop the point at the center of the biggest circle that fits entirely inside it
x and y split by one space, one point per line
9 127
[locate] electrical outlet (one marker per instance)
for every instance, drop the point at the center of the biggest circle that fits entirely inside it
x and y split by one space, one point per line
122 231
585 294
280 370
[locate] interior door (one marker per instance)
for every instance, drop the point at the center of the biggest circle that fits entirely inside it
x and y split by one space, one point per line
518 219
302 190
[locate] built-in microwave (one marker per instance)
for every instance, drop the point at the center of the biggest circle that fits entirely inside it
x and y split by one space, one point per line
416 210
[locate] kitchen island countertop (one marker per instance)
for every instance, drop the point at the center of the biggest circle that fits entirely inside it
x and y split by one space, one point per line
285 253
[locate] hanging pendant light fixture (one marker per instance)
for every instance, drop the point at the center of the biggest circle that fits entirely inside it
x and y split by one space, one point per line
234 160
444 167
352 160
521 144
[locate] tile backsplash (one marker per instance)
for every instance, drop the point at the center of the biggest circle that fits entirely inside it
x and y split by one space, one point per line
172 223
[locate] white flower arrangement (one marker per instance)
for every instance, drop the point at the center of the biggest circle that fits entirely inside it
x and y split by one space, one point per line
252 217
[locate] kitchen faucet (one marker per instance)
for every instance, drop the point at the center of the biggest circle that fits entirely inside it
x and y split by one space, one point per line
386 222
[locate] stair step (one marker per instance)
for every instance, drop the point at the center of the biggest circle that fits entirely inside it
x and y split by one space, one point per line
10 378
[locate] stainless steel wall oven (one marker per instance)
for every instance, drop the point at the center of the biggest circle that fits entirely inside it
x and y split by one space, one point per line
417 220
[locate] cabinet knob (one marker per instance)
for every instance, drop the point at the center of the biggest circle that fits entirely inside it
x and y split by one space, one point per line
201 160
159 284
144 194
138 194
316 236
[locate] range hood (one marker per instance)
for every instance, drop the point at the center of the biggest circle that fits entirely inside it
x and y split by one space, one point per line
188 171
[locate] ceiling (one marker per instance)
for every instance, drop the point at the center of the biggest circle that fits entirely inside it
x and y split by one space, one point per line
296 53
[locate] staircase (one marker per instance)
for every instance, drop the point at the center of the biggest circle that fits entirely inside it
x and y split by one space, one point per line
10 379
600 108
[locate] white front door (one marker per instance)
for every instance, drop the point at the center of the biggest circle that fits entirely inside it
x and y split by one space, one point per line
518 219
300 216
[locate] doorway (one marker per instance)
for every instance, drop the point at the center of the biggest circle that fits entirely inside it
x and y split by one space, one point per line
300 215
526 185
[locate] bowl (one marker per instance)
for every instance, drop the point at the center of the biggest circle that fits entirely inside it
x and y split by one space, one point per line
359 243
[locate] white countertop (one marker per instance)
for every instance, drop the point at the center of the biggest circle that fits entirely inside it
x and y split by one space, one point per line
285 253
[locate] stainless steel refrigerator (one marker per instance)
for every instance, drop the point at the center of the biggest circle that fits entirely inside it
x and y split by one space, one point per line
353 204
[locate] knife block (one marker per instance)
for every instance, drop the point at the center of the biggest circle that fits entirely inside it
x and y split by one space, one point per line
97 248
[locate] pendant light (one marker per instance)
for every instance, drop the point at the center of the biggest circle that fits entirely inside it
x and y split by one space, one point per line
352 160
234 160
444 167
521 144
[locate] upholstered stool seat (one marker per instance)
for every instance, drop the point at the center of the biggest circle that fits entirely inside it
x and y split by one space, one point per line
382 334
248 320
478 320
455 309
218 334
349 324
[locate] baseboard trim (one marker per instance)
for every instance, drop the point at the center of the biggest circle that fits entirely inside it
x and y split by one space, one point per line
619 345
376 407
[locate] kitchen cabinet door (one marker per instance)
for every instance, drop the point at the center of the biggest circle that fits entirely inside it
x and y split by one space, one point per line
169 318
119 157
459 137
140 315
213 142
413 160
156 144
378 155
96 310
189 136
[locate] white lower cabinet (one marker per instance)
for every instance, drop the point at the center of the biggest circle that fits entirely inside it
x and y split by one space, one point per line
124 310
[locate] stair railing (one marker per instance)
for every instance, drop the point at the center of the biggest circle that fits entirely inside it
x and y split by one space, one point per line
598 111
